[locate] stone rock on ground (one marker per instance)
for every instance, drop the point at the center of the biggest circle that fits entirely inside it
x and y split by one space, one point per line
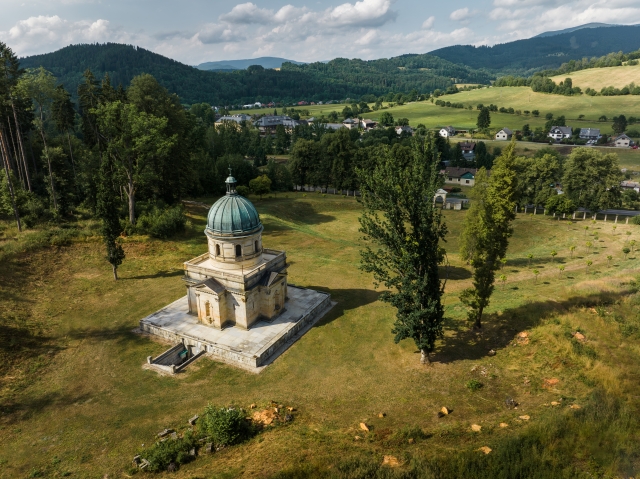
504 424
390 461
445 411
165 432
575 406
382 414
265 417
364 427
525 417
485 449
476 428
579 336
548 383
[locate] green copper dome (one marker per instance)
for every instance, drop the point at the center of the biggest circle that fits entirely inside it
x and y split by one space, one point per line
233 214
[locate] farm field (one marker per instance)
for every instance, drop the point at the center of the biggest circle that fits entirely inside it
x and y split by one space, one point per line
518 98
598 78
78 402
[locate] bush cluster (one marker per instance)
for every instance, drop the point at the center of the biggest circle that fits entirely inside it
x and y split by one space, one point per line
163 223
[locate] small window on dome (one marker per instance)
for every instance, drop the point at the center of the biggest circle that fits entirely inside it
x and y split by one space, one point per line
217 250
238 250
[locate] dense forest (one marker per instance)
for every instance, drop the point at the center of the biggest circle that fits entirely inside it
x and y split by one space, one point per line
338 79
525 57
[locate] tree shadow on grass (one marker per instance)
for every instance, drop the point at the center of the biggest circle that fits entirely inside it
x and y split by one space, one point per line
499 331
346 299
159 274
16 411
300 212
454 273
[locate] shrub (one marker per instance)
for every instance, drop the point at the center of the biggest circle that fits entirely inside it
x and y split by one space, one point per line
242 190
226 426
161 454
636 220
474 385
163 223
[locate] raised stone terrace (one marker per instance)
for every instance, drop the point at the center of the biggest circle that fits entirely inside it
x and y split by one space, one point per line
251 349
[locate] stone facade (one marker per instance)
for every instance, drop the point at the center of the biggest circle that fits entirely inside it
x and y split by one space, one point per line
237 282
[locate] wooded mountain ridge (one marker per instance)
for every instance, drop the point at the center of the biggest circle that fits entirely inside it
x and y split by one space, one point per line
337 79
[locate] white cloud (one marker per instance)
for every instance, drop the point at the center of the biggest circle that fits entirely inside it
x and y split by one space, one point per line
460 14
428 23
52 32
247 13
369 13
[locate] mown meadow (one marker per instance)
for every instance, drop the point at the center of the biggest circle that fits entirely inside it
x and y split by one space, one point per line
76 401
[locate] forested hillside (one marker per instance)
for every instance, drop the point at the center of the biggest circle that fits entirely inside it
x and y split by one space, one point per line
524 57
337 79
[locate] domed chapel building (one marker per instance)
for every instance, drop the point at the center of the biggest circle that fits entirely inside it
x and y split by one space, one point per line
238 308
236 281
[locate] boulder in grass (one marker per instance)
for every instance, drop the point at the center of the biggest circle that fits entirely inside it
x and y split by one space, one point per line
165 432
485 449
391 461
364 427
476 428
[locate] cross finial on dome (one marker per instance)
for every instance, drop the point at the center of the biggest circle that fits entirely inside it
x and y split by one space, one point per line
231 184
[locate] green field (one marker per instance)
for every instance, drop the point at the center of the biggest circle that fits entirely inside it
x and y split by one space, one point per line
597 78
518 98
76 400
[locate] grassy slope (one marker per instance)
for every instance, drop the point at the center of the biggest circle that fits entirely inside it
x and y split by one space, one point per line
518 98
82 403
597 78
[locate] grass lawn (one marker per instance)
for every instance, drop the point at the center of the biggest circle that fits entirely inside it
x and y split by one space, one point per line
75 399
598 78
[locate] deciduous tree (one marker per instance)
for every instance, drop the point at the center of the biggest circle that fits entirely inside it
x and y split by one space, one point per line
487 229
403 228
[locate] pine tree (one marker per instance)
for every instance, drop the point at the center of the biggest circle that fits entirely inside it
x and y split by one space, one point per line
487 229
64 116
107 211
403 227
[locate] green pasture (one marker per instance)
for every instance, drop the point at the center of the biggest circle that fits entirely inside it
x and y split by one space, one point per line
518 98
76 402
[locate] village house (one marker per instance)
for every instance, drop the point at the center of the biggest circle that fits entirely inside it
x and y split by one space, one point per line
268 123
333 126
504 135
368 124
404 129
560 132
351 123
238 119
623 141
590 134
468 150
447 132
630 185
460 176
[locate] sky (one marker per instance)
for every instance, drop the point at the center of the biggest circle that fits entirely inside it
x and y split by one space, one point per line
195 31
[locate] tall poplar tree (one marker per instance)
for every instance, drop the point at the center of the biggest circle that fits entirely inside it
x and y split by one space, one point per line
107 211
484 118
403 228
487 229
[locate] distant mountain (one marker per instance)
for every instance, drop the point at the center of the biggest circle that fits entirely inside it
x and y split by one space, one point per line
524 57
338 79
573 29
229 65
